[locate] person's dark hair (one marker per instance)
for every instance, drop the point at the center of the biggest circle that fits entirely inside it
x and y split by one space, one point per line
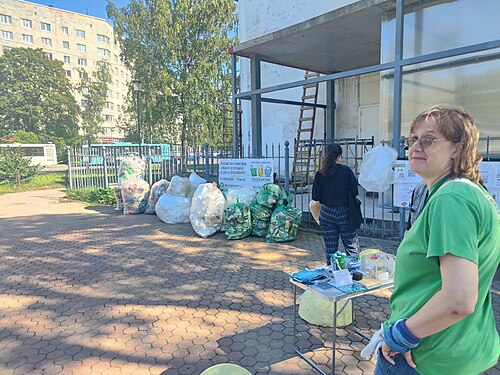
332 151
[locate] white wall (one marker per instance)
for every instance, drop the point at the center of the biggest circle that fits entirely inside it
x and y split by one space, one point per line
280 122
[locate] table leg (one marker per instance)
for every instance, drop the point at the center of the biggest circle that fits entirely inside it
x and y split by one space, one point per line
295 315
334 335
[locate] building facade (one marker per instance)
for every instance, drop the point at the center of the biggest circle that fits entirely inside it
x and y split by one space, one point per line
449 54
79 41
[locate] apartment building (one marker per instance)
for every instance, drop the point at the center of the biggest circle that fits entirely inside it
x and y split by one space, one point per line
80 41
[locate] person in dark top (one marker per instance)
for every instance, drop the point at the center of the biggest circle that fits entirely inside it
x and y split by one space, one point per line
418 197
331 188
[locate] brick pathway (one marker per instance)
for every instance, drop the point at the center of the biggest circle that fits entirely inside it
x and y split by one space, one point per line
91 291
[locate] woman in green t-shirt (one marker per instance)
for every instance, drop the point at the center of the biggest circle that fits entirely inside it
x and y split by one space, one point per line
442 318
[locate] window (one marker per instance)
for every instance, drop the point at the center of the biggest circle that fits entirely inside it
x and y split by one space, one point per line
108 118
48 55
27 23
47 42
68 73
109 105
45 26
5 19
82 61
118 107
81 48
28 38
33 151
6 48
83 74
80 33
83 103
65 45
110 93
85 90
103 38
64 30
7 35
103 52
67 59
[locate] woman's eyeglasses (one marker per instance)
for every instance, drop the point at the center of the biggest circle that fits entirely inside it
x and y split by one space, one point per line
424 142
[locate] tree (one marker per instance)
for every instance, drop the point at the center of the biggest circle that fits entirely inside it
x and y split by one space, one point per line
22 136
36 96
178 49
14 167
94 90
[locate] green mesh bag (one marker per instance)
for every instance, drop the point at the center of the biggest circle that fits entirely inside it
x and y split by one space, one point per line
237 221
261 217
284 225
272 195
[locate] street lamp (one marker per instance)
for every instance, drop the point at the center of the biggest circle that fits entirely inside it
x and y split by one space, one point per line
136 85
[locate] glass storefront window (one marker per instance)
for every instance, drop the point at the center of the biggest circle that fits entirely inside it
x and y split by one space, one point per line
441 25
471 81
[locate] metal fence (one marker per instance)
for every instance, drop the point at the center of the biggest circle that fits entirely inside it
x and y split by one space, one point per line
98 167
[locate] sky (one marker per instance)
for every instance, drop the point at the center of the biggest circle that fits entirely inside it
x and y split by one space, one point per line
96 8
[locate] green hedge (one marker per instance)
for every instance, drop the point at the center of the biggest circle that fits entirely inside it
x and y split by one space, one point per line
100 196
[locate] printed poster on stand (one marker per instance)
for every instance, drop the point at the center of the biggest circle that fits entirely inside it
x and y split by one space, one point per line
245 172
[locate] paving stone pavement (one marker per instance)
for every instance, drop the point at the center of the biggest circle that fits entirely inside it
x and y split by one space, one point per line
86 290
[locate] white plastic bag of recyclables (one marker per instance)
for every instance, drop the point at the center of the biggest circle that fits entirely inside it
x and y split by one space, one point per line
135 194
207 209
157 190
376 172
173 209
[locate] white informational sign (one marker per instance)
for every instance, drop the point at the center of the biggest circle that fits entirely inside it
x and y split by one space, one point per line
405 181
245 172
490 173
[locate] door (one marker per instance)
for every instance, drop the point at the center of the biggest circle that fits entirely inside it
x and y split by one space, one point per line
369 122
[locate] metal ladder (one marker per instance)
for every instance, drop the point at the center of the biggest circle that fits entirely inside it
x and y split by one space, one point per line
302 169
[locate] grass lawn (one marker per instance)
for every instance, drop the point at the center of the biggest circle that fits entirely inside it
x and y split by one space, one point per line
42 181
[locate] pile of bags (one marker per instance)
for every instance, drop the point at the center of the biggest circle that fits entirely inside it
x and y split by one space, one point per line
132 192
239 212
266 213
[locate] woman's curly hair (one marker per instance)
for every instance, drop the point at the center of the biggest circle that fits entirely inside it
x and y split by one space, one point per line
457 126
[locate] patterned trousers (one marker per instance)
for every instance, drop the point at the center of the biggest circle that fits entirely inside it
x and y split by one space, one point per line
334 223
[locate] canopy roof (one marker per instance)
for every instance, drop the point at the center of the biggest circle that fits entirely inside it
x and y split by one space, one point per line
343 39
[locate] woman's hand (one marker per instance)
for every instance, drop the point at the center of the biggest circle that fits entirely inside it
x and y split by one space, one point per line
388 354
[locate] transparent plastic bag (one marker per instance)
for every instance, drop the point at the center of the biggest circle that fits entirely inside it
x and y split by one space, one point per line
284 225
131 166
261 217
179 186
207 209
135 194
241 194
117 190
272 195
376 173
237 221
195 181
157 190
173 209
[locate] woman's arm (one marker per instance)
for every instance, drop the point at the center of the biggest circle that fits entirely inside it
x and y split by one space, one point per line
456 299
353 184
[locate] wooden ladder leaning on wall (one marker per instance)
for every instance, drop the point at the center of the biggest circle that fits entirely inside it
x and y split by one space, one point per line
303 170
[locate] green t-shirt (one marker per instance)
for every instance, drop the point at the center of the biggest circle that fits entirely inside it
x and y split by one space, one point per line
458 220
